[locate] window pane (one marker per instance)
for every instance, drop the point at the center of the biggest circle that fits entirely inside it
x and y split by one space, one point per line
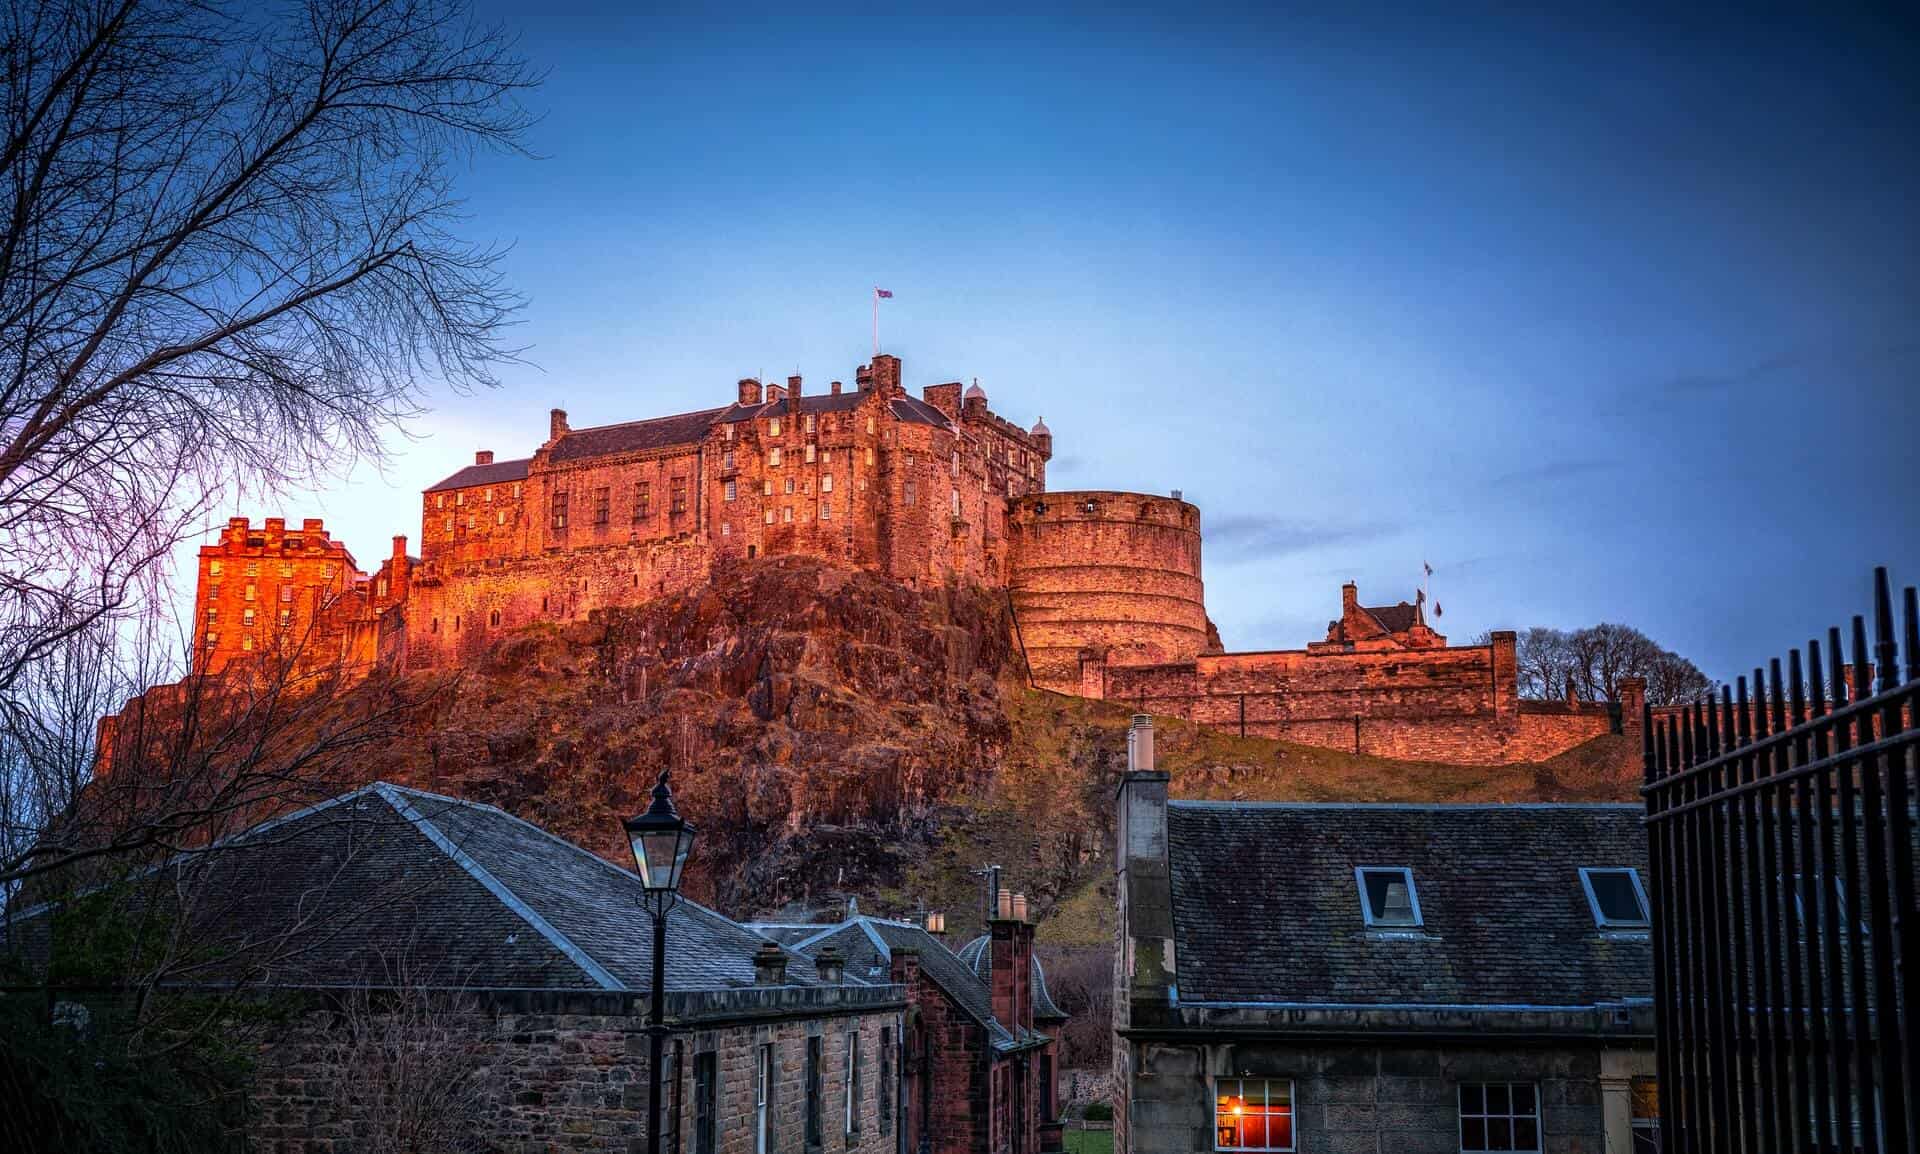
1471 1100
1254 1130
1473 1134
1497 1098
1526 1134
1618 899
1255 1094
1499 1134
1280 1129
1522 1098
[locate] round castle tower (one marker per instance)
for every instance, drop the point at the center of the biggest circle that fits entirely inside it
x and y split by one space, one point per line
1114 573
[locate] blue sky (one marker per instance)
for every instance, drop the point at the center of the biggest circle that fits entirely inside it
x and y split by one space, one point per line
1608 318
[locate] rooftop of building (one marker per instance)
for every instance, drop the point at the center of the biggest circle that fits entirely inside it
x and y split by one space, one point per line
1267 903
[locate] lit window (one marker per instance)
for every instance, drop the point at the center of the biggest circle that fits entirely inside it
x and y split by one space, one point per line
769 516
286 571
826 510
955 503
786 512
1644 1098
214 568
489 494
286 617
1252 1114
642 500
213 614
469 522
1616 898
246 617
869 454
213 639
246 642
253 568
773 456
679 496
500 517
956 462
286 593
869 428
726 431
809 422
826 456
810 453
250 592
726 528
727 491
773 429
826 482
449 523
381 591
1499 1116
516 490
1387 896
439 500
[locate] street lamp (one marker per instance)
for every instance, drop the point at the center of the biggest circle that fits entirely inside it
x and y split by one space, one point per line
661 841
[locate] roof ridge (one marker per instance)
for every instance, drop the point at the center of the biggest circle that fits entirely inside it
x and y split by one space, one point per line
1433 806
392 795
645 421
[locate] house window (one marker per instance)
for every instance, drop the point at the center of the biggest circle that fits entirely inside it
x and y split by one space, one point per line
1805 887
1387 896
679 496
251 592
826 456
726 491
213 614
813 1090
726 432
1615 897
1499 1116
726 460
763 1100
1643 1095
789 484
500 517
560 509
601 503
460 498
516 490
286 594
955 503
489 494
809 422
869 454
826 510
854 1088
286 571
642 501
826 482
447 524
246 642
705 1112
469 522
766 488
670 1099
886 1078
214 568
809 452
786 513
769 516
773 429
869 429
253 568
956 462
773 456
439 500
213 639
1252 1114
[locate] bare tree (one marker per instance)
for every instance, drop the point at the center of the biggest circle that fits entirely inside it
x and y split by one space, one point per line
228 259
1591 663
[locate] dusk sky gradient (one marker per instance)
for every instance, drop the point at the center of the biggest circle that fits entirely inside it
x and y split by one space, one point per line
1608 318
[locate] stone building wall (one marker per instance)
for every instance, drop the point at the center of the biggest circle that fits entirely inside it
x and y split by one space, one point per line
267 590
1114 574
562 1071
1358 1096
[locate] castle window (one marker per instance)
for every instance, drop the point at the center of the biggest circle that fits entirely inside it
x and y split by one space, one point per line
1252 1114
909 492
810 452
826 482
600 505
869 454
460 498
246 642
789 484
286 592
1388 897
727 491
773 429
766 488
213 614
769 516
250 593
786 512
809 422
286 617
826 510
493 618
773 456
214 568
726 528
253 568
642 501
679 495
560 509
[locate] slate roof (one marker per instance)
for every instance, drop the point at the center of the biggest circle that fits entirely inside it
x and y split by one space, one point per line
455 893
634 436
498 473
820 403
868 944
1393 618
919 412
1266 907
978 954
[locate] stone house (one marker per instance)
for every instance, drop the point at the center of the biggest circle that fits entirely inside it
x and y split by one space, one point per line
979 1064
533 957
1407 978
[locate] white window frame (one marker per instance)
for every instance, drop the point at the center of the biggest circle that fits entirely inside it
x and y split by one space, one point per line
853 1060
1293 1112
1366 908
762 1098
1593 899
1539 1137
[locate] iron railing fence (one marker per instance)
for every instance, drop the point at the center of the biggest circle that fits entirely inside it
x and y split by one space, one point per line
1781 828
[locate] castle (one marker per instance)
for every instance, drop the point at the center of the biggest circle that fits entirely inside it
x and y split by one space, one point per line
1105 586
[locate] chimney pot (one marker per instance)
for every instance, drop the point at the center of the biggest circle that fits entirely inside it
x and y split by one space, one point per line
936 923
483 457
1019 907
769 965
1004 906
1140 743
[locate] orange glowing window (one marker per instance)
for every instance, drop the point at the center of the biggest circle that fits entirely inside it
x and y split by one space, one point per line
1252 1114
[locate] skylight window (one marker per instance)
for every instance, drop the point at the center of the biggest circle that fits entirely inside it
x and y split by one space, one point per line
1615 896
1387 897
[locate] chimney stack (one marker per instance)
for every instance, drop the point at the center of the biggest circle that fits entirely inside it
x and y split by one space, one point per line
399 546
1145 963
830 965
769 965
556 424
749 391
483 457
1140 744
1349 598
834 388
793 393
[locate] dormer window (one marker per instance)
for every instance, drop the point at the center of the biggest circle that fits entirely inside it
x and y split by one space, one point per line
1388 899
1615 897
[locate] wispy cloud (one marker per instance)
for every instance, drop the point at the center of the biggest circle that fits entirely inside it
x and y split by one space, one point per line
1258 537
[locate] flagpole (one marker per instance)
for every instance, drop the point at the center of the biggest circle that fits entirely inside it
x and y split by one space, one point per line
876 322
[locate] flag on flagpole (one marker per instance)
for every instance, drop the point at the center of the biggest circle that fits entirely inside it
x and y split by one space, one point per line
1427 567
883 294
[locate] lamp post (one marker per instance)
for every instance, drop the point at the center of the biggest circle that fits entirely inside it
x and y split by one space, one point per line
661 841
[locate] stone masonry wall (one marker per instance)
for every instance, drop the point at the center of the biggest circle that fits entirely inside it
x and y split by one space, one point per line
1362 1097
545 1079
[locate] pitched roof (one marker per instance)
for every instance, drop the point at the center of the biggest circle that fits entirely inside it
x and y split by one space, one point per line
497 473
457 893
634 436
1393 618
978 954
919 412
778 407
1266 905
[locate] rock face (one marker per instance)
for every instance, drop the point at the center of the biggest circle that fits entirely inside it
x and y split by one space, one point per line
811 716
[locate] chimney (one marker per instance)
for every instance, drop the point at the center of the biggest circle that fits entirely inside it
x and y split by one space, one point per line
483 457
863 378
1003 905
793 393
1019 907
276 529
399 546
886 374
749 391
769 965
936 923
1010 978
1145 960
1349 599
905 967
314 527
1633 700
830 965
556 424
834 388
